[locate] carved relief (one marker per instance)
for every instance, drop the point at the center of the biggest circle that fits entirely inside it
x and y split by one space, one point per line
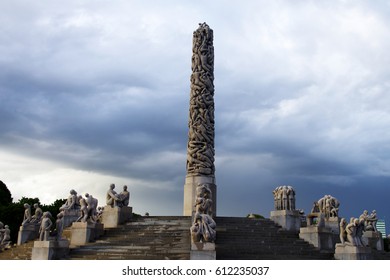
200 147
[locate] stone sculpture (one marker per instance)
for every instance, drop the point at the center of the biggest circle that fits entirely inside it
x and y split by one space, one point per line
203 228
44 230
343 233
369 220
83 210
27 214
5 233
200 147
329 206
284 198
72 202
59 226
124 196
114 199
37 217
92 204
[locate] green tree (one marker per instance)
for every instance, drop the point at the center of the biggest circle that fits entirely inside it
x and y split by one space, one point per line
5 195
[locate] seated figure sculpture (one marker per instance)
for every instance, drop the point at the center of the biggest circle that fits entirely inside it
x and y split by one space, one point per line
37 217
72 202
5 241
27 214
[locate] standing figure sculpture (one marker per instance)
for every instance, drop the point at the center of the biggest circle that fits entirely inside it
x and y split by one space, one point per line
44 230
83 210
124 196
329 206
343 233
92 204
59 225
284 198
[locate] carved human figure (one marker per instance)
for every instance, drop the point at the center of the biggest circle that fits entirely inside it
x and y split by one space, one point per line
92 204
351 232
371 221
316 208
291 198
124 196
36 218
59 225
203 201
359 231
5 241
343 233
44 230
71 202
83 210
112 198
27 214
1 231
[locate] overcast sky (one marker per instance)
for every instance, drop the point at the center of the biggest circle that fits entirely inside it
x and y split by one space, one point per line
97 92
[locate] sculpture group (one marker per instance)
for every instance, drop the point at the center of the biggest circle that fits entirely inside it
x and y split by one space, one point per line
203 227
284 198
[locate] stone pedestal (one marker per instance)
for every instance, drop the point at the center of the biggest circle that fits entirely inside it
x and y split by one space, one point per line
349 252
82 233
191 183
288 219
114 216
373 239
70 216
333 223
50 250
28 232
203 251
319 237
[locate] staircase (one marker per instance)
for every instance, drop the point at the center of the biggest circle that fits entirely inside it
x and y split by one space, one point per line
256 239
146 238
168 238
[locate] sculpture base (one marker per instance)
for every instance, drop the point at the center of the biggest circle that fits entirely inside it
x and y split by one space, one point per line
288 219
320 237
114 216
349 252
70 216
82 233
333 223
191 183
373 239
28 232
203 251
50 250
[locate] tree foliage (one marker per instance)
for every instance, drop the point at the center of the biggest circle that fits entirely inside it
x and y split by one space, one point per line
5 195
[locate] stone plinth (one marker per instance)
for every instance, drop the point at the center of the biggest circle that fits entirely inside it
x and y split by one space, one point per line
70 216
203 251
349 252
319 237
28 232
333 223
114 216
373 239
82 233
288 219
191 183
50 250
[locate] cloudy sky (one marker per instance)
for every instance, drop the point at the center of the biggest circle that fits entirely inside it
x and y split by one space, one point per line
97 92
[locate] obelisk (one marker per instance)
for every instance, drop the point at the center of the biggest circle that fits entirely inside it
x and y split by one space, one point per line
200 147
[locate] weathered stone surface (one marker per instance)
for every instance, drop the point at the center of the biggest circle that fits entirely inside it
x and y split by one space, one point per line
112 217
50 250
350 252
320 237
28 232
200 147
373 239
287 219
